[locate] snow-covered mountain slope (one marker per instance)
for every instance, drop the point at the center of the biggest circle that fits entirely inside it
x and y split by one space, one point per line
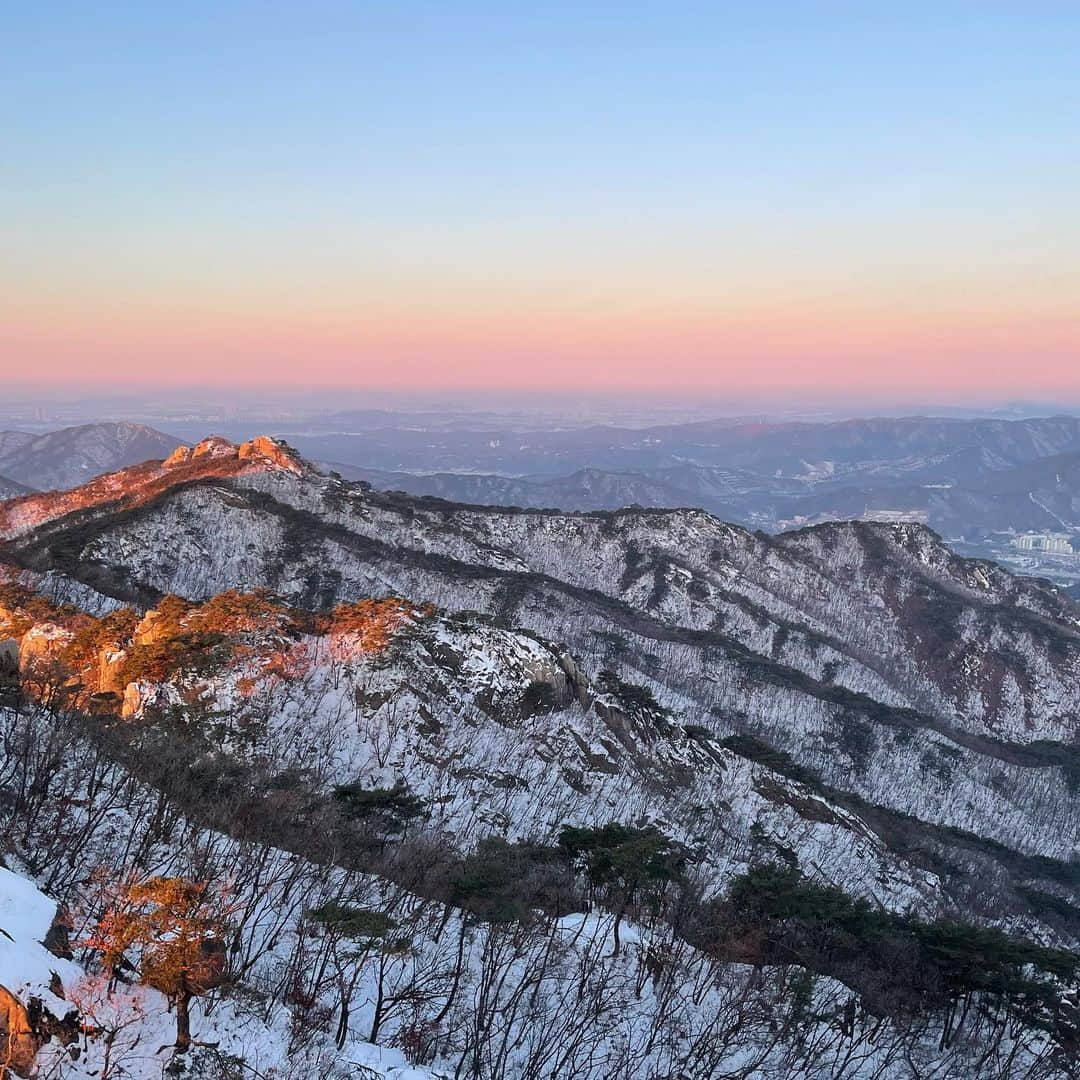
71 456
792 597
59 1020
869 653
548 997
497 731
851 701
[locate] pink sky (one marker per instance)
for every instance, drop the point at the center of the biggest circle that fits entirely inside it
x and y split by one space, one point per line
948 355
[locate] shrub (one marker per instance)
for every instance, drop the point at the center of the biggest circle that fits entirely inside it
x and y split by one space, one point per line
387 811
624 863
358 923
502 882
823 928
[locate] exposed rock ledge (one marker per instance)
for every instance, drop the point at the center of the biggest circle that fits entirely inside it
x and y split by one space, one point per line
261 448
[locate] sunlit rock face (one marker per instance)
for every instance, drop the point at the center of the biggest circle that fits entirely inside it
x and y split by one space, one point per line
18 1047
260 450
41 645
274 451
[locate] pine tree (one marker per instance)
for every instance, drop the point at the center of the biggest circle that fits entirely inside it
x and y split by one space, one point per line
175 927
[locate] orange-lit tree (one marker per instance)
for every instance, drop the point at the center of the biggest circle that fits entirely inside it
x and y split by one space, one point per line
174 928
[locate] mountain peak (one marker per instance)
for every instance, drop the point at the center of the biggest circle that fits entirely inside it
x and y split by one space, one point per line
213 457
263 448
69 457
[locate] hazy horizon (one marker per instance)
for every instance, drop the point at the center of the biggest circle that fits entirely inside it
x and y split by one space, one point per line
49 405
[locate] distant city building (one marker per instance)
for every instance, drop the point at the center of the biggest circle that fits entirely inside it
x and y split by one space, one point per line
1048 543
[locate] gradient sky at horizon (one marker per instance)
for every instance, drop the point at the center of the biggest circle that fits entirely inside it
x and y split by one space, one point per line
831 200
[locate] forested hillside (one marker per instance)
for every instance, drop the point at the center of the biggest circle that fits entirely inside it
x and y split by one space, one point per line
326 780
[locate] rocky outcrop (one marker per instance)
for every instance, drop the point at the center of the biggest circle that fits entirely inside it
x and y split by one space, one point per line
18 1043
110 671
214 458
58 937
150 629
272 450
180 456
41 646
216 446
26 1028
144 694
261 449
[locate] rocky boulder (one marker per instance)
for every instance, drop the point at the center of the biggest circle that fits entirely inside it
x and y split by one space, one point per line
273 451
32 979
262 449
41 646
216 446
110 668
18 1043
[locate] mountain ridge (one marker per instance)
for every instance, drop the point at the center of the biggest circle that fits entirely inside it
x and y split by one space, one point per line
653 591
851 703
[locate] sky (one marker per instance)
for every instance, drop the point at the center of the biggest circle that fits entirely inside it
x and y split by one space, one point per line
799 200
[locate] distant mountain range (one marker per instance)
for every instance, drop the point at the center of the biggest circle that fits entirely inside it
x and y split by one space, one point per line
852 452
71 456
586 489
965 478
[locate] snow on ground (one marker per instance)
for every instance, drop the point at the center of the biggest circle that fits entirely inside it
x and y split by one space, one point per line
26 966
141 1018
